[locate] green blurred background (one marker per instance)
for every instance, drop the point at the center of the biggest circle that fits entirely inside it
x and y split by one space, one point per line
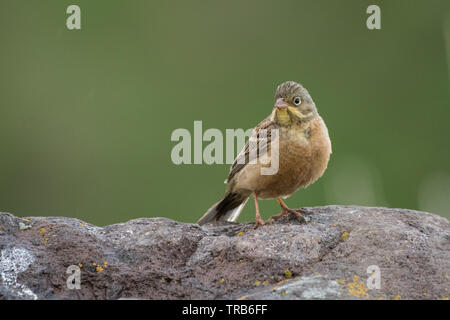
86 115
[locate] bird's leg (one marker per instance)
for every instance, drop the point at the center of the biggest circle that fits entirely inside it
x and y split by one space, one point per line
259 220
287 210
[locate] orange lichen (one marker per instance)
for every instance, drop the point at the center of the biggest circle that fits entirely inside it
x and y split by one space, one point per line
240 234
357 288
287 274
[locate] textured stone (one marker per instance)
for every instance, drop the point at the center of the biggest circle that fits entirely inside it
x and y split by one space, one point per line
157 258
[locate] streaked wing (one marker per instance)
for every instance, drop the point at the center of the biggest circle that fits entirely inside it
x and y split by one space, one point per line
253 150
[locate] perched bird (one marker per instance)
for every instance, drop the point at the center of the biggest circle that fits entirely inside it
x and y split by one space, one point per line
304 149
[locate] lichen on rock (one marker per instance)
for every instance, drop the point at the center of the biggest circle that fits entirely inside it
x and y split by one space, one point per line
158 258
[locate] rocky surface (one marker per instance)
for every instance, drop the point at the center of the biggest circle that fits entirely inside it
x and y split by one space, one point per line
157 258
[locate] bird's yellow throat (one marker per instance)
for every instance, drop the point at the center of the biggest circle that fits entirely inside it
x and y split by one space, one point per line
284 116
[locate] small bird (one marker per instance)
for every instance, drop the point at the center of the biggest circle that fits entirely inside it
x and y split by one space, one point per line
304 149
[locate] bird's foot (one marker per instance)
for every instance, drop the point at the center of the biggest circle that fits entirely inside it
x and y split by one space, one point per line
303 211
296 212
259 222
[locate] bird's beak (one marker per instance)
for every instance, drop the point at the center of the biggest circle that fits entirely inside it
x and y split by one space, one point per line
281 104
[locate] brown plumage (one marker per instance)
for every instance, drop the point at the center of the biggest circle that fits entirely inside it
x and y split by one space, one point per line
304 149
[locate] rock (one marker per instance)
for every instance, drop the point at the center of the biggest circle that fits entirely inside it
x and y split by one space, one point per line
157 258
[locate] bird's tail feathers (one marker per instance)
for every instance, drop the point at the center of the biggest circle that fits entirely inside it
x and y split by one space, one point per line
227 209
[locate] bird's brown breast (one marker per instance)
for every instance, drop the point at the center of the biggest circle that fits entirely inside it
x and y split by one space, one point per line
304 151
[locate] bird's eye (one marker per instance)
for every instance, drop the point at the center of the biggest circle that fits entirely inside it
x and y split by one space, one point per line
297 101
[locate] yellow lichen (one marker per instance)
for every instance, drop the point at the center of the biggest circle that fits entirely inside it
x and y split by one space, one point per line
287 274
397 297
99 268
257 283
240 234
27 219
222 280
283 293
341 281
45 239
243 298
446 276
275 288
105 263
80 265
424 294
82 224
42 230
334 224
357 288
344 235
265 282
446 298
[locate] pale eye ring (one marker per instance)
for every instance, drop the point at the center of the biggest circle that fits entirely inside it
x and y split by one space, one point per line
297 101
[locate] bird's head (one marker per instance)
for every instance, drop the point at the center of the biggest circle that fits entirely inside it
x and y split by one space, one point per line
293 103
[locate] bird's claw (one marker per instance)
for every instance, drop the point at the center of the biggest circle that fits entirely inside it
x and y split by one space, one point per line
302 211
259 222
297 212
